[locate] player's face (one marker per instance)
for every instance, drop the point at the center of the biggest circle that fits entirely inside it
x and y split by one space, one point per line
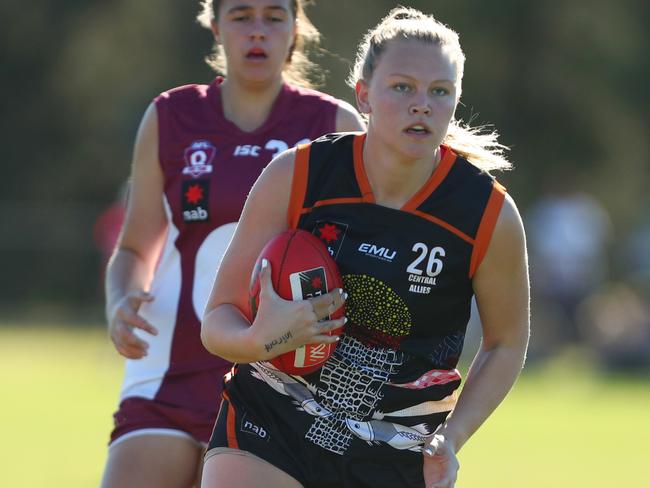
256 36
411 97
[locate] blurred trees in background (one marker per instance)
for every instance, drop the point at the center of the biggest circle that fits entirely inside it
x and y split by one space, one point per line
564 82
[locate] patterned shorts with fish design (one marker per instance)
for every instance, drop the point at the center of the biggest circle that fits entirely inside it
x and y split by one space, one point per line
256 419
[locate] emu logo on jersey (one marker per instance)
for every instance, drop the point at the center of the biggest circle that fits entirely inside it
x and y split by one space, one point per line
194 200
198 158
374 251
332 234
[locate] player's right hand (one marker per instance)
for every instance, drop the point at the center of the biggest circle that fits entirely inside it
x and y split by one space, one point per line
124 320
284 325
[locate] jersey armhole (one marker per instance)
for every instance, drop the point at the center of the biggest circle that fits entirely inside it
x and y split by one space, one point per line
298 185
486 226
160 106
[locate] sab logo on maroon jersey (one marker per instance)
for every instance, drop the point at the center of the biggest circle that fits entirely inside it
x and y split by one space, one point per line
194 200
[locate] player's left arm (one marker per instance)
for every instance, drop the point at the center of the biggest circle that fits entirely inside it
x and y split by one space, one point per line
502 294
348 119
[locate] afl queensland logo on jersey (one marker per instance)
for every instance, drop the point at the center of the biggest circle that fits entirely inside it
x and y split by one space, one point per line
198 158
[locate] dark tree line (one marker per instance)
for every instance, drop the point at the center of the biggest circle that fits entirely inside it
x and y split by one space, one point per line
564 82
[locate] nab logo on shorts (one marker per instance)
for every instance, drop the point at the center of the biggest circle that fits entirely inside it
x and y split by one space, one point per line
332 234
194 200
250 428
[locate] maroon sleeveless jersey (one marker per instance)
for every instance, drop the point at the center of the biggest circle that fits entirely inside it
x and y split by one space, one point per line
209 167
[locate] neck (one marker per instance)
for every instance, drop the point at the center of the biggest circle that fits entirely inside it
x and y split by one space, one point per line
248 105
394 178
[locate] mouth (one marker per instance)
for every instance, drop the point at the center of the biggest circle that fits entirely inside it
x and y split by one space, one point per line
421 130
256 54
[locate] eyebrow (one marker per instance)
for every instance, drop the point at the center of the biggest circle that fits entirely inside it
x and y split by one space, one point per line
240 8
403 75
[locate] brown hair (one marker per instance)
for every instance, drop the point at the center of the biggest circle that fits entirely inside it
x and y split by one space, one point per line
477 144
298 68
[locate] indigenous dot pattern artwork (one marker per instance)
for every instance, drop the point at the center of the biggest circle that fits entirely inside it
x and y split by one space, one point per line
377 315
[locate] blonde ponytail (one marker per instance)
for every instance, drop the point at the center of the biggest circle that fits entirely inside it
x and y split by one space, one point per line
479 145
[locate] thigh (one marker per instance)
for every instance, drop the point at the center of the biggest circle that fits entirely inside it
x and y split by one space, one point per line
239 469
156 461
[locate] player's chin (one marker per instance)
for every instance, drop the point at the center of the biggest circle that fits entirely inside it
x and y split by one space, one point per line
259 73
418 151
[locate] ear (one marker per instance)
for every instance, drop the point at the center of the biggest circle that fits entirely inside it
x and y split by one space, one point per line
214 27
361 92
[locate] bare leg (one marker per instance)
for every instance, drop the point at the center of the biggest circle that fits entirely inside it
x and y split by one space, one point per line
153 461
229 470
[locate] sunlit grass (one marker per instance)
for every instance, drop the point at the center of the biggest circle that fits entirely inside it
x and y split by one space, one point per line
59 388
564 425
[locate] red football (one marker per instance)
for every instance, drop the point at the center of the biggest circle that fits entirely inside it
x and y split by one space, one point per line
301 268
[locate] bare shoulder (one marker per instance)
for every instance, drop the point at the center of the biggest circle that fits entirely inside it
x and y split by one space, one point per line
506 253
509 230
150 116
268 202
278 173
348 119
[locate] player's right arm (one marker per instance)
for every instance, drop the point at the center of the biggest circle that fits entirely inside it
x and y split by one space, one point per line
131 267
280 325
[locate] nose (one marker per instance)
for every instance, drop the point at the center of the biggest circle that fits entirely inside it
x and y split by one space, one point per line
258 29
420 108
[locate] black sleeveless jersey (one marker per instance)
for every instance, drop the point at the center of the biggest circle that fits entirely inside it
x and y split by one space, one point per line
408 274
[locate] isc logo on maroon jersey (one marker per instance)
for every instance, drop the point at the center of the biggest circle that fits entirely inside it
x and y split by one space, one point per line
194 200
332 234
198 158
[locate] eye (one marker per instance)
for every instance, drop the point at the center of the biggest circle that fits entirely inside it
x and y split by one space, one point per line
275 15
240 18
439 91
402 87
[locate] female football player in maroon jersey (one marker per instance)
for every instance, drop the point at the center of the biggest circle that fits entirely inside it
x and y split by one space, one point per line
198 151
418 227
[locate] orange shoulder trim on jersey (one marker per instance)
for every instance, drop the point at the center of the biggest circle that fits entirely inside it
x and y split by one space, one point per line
437 177
444 225
332 201
231 428
486 226
359 170
298 185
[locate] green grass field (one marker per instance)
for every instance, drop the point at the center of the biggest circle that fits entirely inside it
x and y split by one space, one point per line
562 426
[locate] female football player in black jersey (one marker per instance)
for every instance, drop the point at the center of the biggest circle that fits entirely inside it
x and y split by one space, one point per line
418 227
